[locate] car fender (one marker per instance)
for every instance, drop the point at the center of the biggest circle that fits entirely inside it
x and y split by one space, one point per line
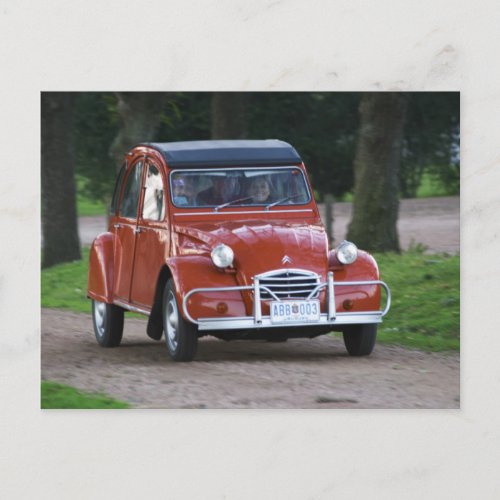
364 268
198 271
101 268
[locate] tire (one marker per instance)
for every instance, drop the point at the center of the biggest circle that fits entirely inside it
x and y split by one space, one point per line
181 336
108 323
359 340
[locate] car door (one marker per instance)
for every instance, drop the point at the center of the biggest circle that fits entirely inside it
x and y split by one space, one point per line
124 226
153 238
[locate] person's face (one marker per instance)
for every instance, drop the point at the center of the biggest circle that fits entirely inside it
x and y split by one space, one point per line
259 190
179 189
225 185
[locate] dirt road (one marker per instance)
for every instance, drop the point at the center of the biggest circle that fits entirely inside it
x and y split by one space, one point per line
300 373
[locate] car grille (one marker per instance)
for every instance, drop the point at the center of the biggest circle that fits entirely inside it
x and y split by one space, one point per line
293 284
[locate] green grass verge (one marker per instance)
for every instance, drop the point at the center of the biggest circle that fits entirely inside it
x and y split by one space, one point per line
430 187
425 311
425 289
84 205
58 396
65 286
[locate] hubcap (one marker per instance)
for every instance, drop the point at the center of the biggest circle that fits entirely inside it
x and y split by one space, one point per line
100 317
172 322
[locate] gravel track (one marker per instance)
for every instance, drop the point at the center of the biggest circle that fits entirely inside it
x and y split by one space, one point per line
300 373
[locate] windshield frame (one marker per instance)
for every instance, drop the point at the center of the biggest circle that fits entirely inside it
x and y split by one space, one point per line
256 206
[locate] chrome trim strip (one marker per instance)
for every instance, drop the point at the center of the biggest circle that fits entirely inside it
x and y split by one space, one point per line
259 321
248 323
131 308
270 212
331 297
305 274
257 310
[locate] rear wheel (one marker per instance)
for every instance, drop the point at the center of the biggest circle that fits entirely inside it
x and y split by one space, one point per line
108 323
181 336
359 340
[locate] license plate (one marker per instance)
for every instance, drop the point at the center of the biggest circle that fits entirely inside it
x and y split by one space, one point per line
295 311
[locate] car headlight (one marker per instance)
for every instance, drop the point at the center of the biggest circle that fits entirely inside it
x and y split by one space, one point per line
346 252
222 256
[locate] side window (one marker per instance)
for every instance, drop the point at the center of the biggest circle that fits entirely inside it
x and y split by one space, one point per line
130 199
118 188
154 198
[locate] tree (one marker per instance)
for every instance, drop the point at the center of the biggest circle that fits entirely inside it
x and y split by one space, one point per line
96 125
376 169
140 114
59 224
229 115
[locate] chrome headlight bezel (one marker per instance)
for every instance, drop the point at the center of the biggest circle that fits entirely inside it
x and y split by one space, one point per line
346 252
222 256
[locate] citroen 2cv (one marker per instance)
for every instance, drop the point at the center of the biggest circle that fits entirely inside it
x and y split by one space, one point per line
224 238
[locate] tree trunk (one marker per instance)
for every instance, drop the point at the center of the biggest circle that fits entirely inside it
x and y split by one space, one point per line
229 116
376 170
140 114
59 223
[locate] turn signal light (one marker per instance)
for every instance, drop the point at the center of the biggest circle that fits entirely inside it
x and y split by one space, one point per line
221 308
347 304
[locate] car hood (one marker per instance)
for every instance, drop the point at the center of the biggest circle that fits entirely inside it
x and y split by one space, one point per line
259 246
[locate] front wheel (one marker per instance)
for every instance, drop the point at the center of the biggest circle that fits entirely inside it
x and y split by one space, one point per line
181 336
359 340
108 323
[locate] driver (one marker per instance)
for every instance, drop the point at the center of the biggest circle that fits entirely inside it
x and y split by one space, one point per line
223 189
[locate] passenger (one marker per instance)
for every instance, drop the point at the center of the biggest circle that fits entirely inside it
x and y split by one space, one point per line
260 190
182 191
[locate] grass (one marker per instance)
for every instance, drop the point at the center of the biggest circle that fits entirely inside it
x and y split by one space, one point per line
430 187
86 206
58 396
65 286
425 311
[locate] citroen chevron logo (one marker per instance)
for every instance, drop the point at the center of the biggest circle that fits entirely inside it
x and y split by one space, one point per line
286 260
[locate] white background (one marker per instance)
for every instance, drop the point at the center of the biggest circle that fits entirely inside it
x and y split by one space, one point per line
241 45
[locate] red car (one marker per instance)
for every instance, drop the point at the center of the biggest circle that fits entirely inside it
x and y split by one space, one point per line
224 238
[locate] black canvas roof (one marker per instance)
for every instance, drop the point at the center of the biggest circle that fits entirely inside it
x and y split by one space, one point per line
218 153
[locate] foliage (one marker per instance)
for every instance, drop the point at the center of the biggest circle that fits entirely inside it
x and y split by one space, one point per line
96 125
59 396
431 142
323 127
425 311
430 187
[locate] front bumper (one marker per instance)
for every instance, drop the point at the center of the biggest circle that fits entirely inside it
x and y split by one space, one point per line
257 321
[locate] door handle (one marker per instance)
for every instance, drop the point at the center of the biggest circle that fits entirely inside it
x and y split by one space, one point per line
117 226
138 230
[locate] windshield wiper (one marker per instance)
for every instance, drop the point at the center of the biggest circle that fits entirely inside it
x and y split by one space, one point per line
286 198
224 205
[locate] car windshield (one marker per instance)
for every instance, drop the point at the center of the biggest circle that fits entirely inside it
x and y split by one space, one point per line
238 187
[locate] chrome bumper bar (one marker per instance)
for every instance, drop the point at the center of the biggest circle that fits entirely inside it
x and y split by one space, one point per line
331 317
